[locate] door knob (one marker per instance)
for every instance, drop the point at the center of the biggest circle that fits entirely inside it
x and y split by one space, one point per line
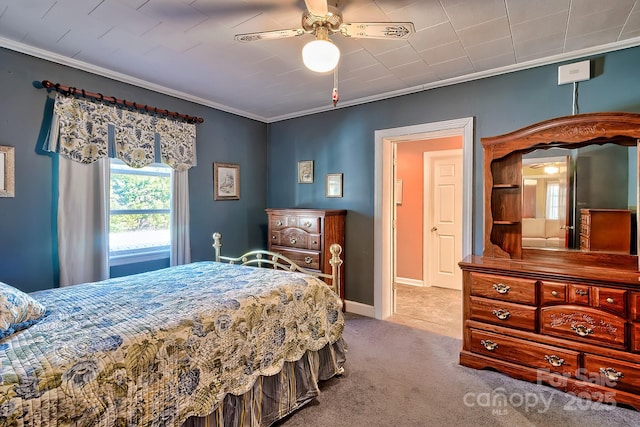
434 228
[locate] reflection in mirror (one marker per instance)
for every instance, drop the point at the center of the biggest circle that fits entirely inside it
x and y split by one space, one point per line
544 203
565 190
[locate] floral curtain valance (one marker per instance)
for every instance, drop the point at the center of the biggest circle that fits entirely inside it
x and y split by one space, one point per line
80 131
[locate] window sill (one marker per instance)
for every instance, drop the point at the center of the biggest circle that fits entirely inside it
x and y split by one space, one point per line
139 256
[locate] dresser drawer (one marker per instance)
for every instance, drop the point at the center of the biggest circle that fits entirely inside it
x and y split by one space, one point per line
613 300
504 288
634 337
613 373
634 306
524 352
306 259
553 293
295 238
503 313
277 222
585 243
583 324
310 224
579 294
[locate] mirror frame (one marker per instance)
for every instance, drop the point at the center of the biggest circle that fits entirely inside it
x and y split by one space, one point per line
503 156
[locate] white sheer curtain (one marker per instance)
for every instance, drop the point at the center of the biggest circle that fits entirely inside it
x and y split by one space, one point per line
83 209
180 240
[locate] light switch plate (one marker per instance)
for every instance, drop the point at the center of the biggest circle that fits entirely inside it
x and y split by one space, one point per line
576 72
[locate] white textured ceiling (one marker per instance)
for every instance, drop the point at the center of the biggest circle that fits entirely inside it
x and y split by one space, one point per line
186 48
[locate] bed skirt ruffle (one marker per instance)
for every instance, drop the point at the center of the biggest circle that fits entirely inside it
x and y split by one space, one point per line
273 398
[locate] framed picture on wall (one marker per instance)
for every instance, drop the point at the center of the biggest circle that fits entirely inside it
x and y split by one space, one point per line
7 171
333 185
226 181
305 172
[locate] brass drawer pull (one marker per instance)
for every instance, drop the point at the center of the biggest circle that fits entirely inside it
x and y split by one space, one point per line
502 314
279 223
292 240
315 242
489 345
610 300
581 330
554 360
501 288
273 237
308 224
308 259
554 293
581 292
611 374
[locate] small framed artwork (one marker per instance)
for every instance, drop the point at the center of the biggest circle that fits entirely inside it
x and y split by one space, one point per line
305 172
226 181
7 171
334 185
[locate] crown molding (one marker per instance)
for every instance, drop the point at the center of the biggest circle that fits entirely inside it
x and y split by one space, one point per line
125 78
610 47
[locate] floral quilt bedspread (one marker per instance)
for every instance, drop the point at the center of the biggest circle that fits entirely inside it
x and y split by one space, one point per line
154 348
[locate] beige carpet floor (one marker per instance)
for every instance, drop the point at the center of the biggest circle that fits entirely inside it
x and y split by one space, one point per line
432 309
399 376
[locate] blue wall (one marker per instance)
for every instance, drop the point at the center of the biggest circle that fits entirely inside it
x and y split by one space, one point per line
28 258
343 141
340 140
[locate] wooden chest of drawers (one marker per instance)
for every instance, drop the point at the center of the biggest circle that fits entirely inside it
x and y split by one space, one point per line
605 230
578 330
305 236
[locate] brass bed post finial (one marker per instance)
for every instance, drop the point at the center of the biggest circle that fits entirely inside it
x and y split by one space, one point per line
217 244
335 262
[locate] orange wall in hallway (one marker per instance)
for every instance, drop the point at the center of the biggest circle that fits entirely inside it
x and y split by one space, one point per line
409 214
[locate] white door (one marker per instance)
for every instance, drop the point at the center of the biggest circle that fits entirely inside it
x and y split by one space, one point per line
443 218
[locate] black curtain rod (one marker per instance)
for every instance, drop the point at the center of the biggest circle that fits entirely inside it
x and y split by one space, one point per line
66 90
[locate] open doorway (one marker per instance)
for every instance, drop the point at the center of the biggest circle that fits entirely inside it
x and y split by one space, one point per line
428 235
386 141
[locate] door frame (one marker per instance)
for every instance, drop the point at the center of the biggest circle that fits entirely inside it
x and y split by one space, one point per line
384 141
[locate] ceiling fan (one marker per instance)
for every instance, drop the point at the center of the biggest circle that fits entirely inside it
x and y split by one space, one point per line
323 20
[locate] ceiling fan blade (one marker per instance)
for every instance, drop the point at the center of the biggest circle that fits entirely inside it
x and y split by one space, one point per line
317 7
378 30
269 35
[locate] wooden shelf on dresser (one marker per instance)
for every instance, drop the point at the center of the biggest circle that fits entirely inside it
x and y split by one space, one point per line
305 236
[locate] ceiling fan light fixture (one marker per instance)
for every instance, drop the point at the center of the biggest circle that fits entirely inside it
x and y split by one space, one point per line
321 55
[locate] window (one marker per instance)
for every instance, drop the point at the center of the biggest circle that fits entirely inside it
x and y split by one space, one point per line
553 200
140 210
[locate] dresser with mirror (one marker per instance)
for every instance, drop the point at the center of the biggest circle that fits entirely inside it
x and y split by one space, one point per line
555 296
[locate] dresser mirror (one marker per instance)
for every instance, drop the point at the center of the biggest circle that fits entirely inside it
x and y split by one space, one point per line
591 191
558 183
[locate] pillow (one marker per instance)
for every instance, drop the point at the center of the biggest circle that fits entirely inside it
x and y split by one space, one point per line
17 310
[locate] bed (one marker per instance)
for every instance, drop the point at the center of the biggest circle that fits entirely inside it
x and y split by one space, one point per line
214 343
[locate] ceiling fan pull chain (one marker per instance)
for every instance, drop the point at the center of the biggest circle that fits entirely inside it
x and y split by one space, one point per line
334 94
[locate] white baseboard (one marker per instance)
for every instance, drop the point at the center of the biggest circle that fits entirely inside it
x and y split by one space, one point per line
359 308
407 281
